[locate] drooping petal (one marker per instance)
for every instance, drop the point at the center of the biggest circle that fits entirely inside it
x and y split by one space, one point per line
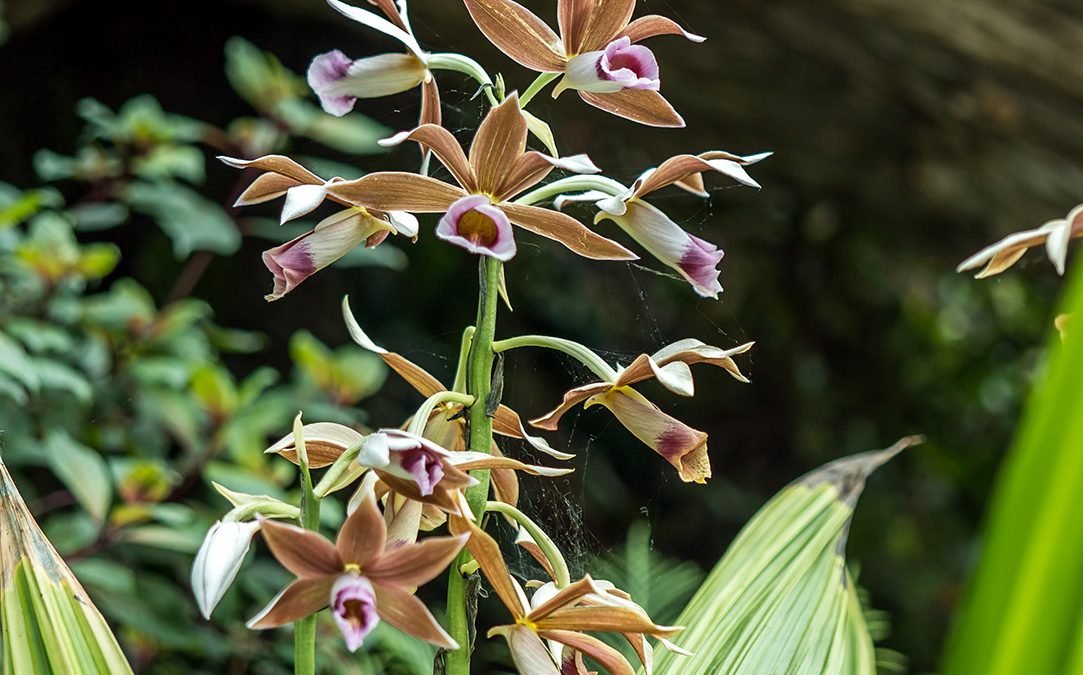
266 187
395 11
567 231
415 375
335 236
397 191
304 597
572 398
607 18
413 565
491 562
692 351
500 140
639 105
276 164
562 599
693 258
675 376
218 561
604 619
379 23
680 445
402 610
1055 234
474 224
530 655
363 536
507 422
302 200
303 552
469 461
339 81
444 146
652 25
527 543
607 657
519 33
324 442
681 167
430 103
353 606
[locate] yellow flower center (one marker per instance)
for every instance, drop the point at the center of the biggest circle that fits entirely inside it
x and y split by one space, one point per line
353 567
478 228
527 623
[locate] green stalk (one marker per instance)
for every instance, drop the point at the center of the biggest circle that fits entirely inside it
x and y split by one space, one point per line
581 353
304 635
479 373
535 87
547 546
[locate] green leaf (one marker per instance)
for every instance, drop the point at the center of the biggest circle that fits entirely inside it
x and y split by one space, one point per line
214 389
82 471
99 215
172 161
258 77
62 377
192 222
15 362
352 133
781 600
1022 609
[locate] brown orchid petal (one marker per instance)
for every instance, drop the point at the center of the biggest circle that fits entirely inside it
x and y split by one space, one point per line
500 140
432 517
675 376
572 398
694 184
527 543
606 656
413 565
391 11
266 187
604 619
430 103
324 443
402 610
507 422
468 461
445 432
279 164
529 170
679 444
653 25
397 191
692 352
530 655
564 598
572 19
607 18
446 149
505 483
364 534
303 552
487 552
304 597
519 33
639 644
566 230
416 376
639 105
441 495
670 171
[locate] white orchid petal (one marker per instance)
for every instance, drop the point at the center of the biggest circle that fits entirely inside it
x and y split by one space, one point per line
219 560
377 22
302 200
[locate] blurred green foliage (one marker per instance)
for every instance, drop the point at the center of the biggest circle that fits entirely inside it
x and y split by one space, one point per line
117 410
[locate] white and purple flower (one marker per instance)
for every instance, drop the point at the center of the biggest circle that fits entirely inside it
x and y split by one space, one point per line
339 80
621 65
353 604
473 223
405 455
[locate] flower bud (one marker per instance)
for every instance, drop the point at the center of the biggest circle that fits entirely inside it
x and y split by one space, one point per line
218 561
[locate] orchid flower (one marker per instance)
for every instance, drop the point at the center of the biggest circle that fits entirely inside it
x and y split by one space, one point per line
680 445
498 168
554 623
335 236
1055 234
362 580
693 258
339 81
597 52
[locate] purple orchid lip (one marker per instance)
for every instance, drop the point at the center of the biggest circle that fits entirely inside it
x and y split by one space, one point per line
353 604
291 263
700 263
426 468
326 70
474 224
632 66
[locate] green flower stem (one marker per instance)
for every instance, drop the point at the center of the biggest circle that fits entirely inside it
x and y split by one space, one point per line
572 184
479 383
421 417
552 553
575 350
467 66
304 636
464 353
535 87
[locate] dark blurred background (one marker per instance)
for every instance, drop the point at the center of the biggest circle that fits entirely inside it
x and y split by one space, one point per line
907 133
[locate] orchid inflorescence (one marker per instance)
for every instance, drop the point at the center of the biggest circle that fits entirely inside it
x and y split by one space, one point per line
442 467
